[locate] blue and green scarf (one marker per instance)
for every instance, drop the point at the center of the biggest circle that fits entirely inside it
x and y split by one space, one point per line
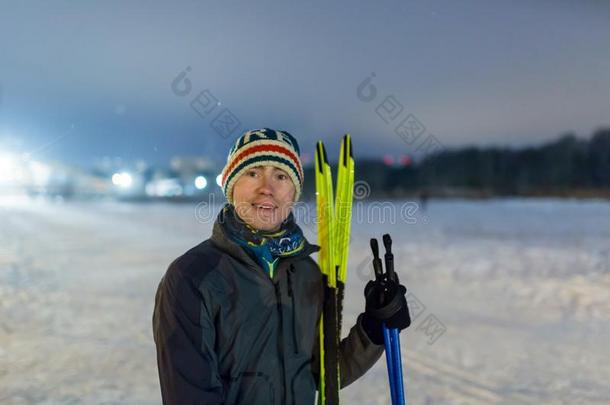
265 247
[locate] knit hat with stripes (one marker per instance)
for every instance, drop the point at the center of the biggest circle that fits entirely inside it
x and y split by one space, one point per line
262 147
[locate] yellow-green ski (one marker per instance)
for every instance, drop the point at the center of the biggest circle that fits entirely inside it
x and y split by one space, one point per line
343 214
334 224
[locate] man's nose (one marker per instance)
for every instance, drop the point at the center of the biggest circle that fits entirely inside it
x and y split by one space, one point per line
266 186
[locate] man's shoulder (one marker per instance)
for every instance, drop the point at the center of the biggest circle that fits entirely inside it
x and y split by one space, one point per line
196 263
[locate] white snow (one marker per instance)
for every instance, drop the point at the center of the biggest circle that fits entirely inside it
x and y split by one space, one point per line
512 299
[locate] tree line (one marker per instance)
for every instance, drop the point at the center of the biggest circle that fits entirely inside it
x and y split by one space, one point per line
569 166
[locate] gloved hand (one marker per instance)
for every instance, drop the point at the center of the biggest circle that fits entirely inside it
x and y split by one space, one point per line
386 302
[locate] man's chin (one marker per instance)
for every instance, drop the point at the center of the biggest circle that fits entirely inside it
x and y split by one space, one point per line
265 226
261 224
261 221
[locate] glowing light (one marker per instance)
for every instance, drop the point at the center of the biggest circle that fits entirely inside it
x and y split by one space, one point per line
164 188
200 182
405 160
388 160
40 173
219 180
122 179
8 168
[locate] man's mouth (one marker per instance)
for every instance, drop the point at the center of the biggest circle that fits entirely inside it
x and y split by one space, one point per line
264 206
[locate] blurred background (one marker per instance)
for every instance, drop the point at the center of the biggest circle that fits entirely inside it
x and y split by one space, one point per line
481 135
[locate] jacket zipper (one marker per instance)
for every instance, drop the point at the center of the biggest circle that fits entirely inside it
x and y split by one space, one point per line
278 296
294 327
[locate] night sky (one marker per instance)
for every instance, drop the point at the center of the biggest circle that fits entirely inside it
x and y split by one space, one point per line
83 80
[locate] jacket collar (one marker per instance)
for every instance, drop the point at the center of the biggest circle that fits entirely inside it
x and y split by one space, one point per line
225 243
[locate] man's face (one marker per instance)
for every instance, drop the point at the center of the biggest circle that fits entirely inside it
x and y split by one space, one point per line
263 197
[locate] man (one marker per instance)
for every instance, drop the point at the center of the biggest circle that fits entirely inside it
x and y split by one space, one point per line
236 317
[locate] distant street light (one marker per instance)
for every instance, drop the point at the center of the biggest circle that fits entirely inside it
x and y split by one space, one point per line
122 179
200 182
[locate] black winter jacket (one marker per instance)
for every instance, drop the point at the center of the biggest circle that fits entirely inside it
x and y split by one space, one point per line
226 333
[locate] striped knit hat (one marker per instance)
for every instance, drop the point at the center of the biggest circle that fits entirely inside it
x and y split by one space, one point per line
261 147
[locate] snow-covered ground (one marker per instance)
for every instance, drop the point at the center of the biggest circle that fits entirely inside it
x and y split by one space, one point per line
511 299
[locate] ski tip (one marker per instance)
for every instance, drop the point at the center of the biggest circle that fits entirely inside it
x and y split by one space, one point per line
344 150
351 153
320 156
346 146
323 153
346 140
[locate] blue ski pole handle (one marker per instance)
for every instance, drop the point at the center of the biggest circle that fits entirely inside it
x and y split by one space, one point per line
389 356
397 360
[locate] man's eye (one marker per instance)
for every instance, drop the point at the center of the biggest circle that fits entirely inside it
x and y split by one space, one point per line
282 176
252 173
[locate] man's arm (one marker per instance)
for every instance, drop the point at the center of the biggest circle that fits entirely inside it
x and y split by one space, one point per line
357 354
184 336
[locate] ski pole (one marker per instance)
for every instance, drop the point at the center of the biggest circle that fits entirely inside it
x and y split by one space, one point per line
390 336
394 333
387 340
396 356
389 357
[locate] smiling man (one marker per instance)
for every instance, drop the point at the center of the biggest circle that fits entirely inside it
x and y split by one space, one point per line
263 197
236 317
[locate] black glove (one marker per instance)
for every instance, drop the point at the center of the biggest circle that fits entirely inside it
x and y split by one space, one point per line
386 302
